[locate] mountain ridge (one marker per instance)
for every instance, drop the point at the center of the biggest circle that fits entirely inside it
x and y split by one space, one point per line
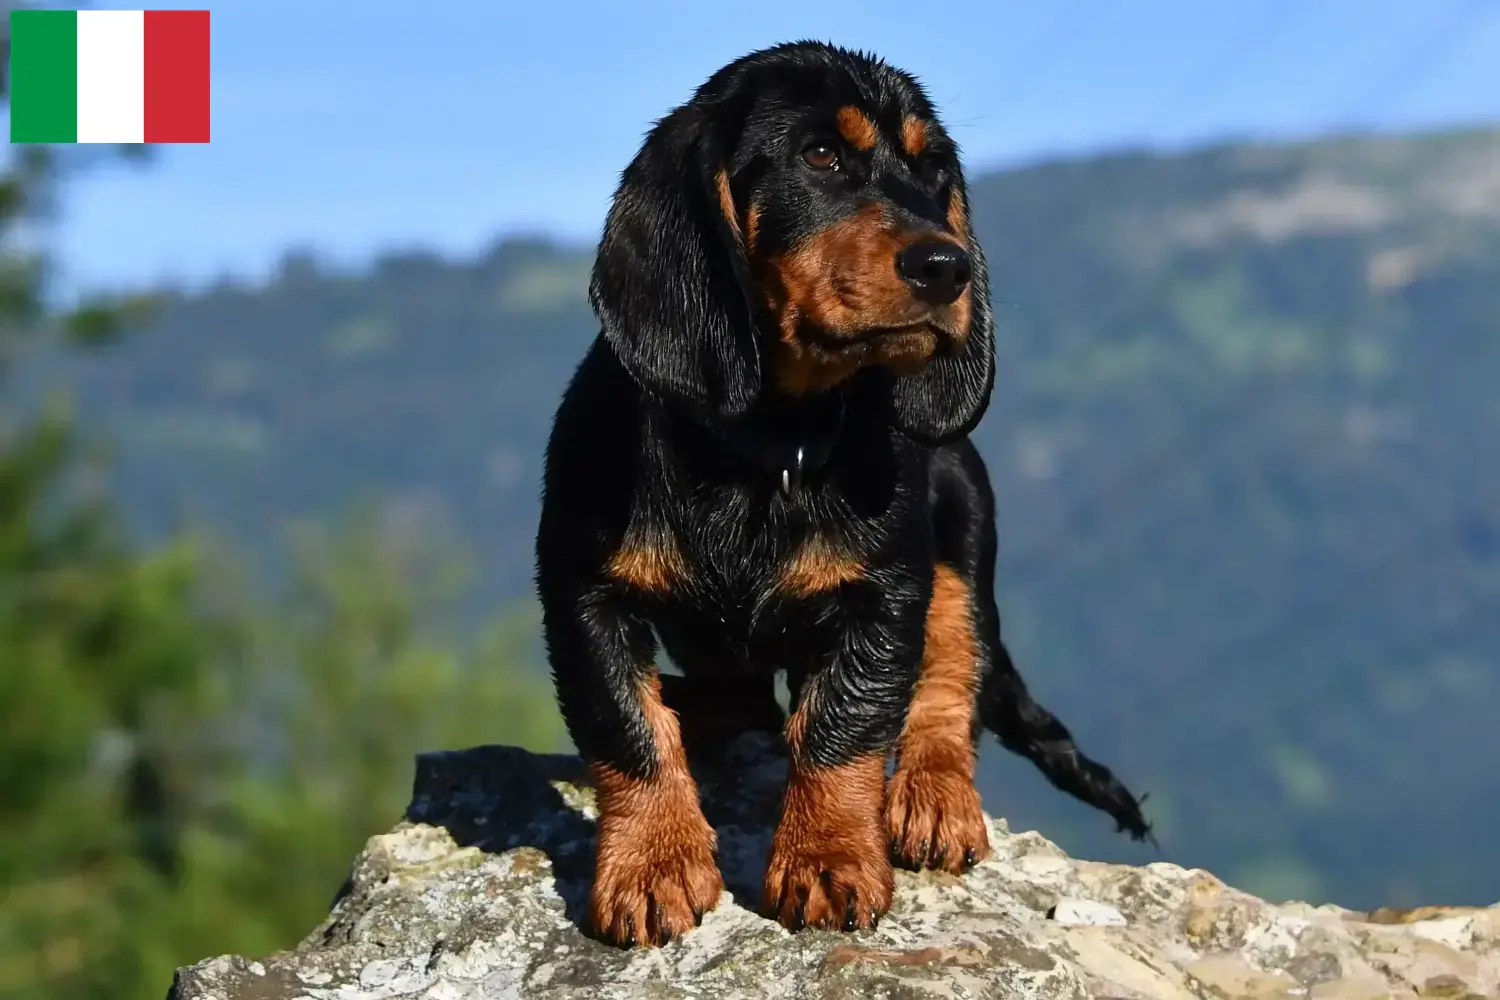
1248 542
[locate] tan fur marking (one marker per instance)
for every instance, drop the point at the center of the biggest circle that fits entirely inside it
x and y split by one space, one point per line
958 223
726 202
938 725
656 567
856 128
752 227
829 849
958 216
655 872
913 135
818 567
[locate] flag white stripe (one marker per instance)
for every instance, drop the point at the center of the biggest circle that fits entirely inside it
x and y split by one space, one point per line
111 76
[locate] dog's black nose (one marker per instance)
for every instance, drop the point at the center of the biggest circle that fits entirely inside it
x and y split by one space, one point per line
937 272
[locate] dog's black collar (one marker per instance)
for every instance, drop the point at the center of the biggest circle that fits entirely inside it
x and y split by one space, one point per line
788 460
787 441
788 444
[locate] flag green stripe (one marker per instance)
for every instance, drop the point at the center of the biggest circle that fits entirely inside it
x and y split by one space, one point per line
43 76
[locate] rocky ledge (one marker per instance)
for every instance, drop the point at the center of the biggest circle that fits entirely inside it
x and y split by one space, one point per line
477 895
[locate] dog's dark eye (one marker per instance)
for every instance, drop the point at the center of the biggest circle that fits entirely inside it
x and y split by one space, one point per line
821 157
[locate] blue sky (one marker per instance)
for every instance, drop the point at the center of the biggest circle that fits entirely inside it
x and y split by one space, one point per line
354 128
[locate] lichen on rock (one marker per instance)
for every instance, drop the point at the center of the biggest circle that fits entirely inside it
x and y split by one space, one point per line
478 893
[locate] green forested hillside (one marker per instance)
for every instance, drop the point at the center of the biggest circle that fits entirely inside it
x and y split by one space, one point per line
188 761
1246 439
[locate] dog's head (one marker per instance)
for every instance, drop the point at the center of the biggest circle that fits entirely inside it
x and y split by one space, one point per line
801 218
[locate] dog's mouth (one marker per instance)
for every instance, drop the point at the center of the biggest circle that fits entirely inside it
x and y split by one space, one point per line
876 337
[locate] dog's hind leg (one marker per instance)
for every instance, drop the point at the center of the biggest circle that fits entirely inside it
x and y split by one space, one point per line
932 812
964 531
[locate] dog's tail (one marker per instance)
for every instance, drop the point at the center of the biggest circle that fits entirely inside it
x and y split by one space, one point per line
1024 727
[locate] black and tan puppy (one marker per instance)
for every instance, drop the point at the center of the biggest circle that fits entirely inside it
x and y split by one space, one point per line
762 464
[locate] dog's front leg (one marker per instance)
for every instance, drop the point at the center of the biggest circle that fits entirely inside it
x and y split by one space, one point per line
656 874
830 857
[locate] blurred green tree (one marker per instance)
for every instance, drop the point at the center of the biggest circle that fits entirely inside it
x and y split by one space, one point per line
187 765
357 667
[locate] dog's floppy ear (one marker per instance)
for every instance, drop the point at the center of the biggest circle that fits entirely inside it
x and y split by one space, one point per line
947 398
670 280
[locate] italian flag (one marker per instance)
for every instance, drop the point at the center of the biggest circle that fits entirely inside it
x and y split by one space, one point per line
108 76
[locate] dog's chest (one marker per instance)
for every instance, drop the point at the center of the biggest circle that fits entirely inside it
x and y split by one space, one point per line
735 554
758 587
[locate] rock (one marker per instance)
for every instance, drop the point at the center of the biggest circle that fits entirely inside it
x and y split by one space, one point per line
1087 913
477 895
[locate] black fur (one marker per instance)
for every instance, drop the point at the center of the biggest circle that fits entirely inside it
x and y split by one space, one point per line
638 454
668 284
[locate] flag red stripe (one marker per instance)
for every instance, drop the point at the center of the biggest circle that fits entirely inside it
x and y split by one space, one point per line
176 76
